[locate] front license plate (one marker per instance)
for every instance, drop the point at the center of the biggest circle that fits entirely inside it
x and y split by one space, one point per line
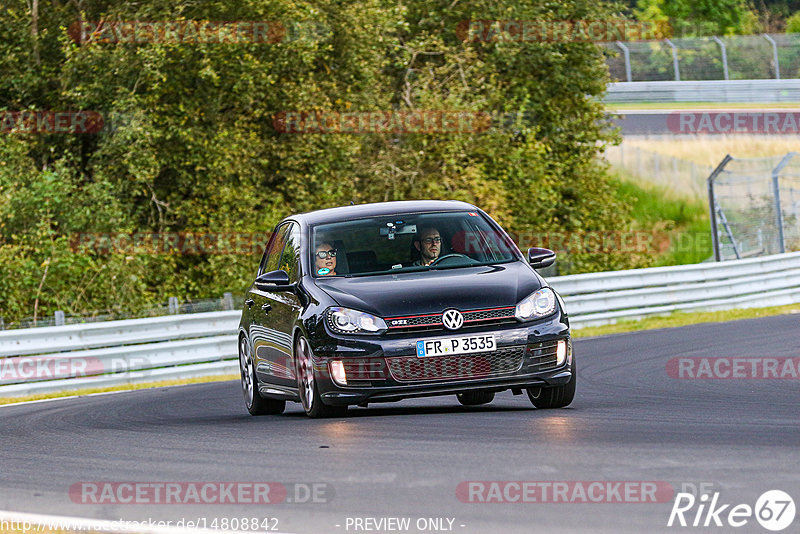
455 345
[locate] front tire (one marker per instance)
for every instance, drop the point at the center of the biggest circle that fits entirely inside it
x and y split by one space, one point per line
255 403
475 398
554 397
307 384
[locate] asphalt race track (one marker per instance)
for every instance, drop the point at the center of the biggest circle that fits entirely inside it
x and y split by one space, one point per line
667 122
630 422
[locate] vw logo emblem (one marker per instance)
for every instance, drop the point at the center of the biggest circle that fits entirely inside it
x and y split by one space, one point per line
452 319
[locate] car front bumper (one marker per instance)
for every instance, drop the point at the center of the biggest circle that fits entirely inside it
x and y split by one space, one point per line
386 368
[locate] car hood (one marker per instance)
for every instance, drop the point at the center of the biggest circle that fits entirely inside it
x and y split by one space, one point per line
465 288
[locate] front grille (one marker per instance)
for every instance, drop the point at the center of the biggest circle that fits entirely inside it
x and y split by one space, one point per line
487 315
420 320
462 366
542 355
434 321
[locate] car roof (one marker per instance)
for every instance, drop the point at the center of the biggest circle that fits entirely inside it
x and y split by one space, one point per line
360 211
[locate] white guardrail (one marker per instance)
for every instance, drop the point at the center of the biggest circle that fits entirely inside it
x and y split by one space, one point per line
95 355
705 91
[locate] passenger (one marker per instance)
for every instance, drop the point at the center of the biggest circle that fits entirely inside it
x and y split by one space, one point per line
325 259
428 243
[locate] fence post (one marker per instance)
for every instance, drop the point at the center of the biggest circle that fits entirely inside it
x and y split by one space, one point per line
774 55
776 193
2 324
712 203
638 161
627 55
173 305
657 165
674 60
227 301
724 56
59 316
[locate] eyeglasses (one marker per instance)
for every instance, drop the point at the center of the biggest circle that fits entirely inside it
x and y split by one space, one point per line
324 254
431 240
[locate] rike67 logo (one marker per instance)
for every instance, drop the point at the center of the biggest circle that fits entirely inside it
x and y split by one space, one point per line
774 510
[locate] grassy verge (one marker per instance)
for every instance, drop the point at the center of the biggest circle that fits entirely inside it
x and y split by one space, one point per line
710 149
683 319
126 387
681 223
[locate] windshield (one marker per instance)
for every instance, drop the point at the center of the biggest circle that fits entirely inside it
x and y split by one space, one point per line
407 242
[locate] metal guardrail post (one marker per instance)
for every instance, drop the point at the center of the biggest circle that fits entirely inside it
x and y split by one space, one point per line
173 305
712 205
674 60
774 55
627 55
724 56
59 317
227 301
776 192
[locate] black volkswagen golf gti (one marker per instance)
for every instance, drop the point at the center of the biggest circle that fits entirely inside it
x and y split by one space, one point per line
382 302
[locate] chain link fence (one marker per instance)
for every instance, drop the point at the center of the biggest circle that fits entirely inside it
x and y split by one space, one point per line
755 206
741 57
681 177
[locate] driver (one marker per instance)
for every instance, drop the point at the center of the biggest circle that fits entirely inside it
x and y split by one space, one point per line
429 244
325 259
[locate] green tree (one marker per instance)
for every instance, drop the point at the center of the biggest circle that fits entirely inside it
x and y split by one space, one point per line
691 18
190 143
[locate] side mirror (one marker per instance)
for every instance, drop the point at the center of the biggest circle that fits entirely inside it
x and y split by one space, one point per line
274 281
539 258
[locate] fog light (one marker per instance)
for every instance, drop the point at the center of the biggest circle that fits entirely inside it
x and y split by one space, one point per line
337 372
561 351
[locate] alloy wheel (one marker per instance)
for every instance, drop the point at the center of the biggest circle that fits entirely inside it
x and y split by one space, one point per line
305 374
246 365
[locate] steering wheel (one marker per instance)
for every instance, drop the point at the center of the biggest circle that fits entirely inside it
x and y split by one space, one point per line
452 255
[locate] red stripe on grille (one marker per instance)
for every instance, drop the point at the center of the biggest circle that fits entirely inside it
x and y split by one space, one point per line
413 316
491 309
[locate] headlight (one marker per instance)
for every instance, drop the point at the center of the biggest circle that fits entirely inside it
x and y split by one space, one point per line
538 304
347 321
